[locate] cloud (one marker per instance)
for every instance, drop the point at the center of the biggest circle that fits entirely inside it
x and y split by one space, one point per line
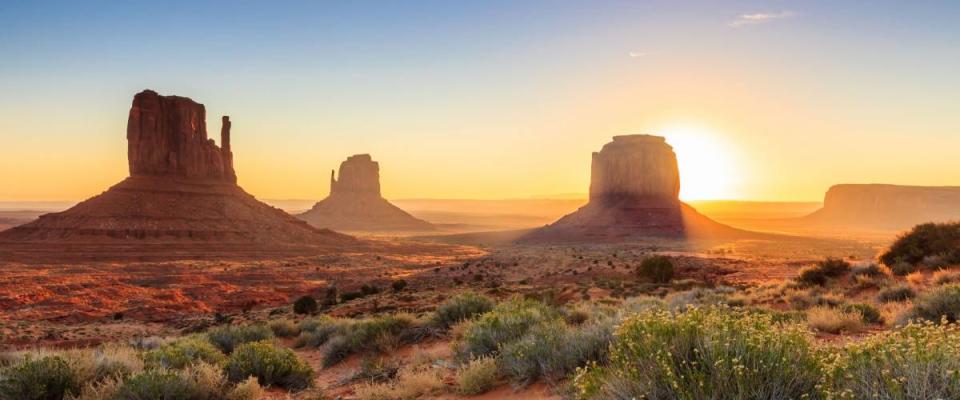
640 54
761 18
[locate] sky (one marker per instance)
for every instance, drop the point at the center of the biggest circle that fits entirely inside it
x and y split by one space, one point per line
762 100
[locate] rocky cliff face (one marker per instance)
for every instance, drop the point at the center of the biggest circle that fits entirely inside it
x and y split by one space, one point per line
355 203
167 136
634 188
887 207
639 167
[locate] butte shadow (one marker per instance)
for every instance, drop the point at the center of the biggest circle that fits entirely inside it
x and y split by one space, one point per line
634 189
180 200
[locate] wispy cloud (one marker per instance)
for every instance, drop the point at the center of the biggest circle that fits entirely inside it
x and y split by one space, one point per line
640 54
761 18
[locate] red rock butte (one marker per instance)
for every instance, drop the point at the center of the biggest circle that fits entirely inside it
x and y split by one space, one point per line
355 202
181 189
634 188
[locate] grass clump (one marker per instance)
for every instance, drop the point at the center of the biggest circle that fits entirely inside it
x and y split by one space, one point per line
315 332
919 361
868 270
657 269
462 307
704 353
183 352
940 303
197 382
923 241
507 322
271 365
834 320
411 383
869 313
553 350
819 275
364 335
48 377
896 293
284 328
226 338
477 376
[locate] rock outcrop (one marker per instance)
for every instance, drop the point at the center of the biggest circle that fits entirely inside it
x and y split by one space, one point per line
634 188
182 188
886 207
355 203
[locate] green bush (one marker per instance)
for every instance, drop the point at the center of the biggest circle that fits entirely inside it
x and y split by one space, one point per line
940 303
705 353
363 335
305 305
183 352
658 269
834 267
314 332
812 276
552 350
819 274
463 306
507 322
226 338
925 240
271 365
869 313
284 328
919 361
895 293
41 378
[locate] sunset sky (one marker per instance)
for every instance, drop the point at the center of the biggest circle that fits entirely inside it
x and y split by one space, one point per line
764 100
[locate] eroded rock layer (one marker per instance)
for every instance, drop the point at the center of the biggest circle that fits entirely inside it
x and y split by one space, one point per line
182 188
634 188
355 203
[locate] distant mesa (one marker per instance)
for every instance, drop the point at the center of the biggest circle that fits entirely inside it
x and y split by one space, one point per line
181 188
634 189
886 207
355 203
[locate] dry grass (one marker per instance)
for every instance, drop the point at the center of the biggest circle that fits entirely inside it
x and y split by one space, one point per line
477 376
832 320
916 278
945 276
411 383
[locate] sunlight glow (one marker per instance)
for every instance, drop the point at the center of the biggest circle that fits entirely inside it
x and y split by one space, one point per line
708 170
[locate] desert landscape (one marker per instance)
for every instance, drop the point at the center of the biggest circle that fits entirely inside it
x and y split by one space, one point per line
583 250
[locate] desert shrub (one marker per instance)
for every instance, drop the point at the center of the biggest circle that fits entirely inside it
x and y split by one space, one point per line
925 240
834 320
226 338
183 352
363 335
552 350
868 270
305 305
508 321
41 378
919 361
903 268
477 376
834 267
658 269
410 384
896 293
704 353
940 303
271 365
347 296
368 289
106 361
209 381
463 306
398 285
159 383
869 313
284 328
812 276
376 369
246 390
315 332
679 301
945 277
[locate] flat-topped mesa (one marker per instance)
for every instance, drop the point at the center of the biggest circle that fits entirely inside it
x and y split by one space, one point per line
635 167
359 175
167 136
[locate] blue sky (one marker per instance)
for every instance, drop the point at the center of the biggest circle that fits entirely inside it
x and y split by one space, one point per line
493 98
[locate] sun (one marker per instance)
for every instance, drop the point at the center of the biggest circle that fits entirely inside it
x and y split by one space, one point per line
708 168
